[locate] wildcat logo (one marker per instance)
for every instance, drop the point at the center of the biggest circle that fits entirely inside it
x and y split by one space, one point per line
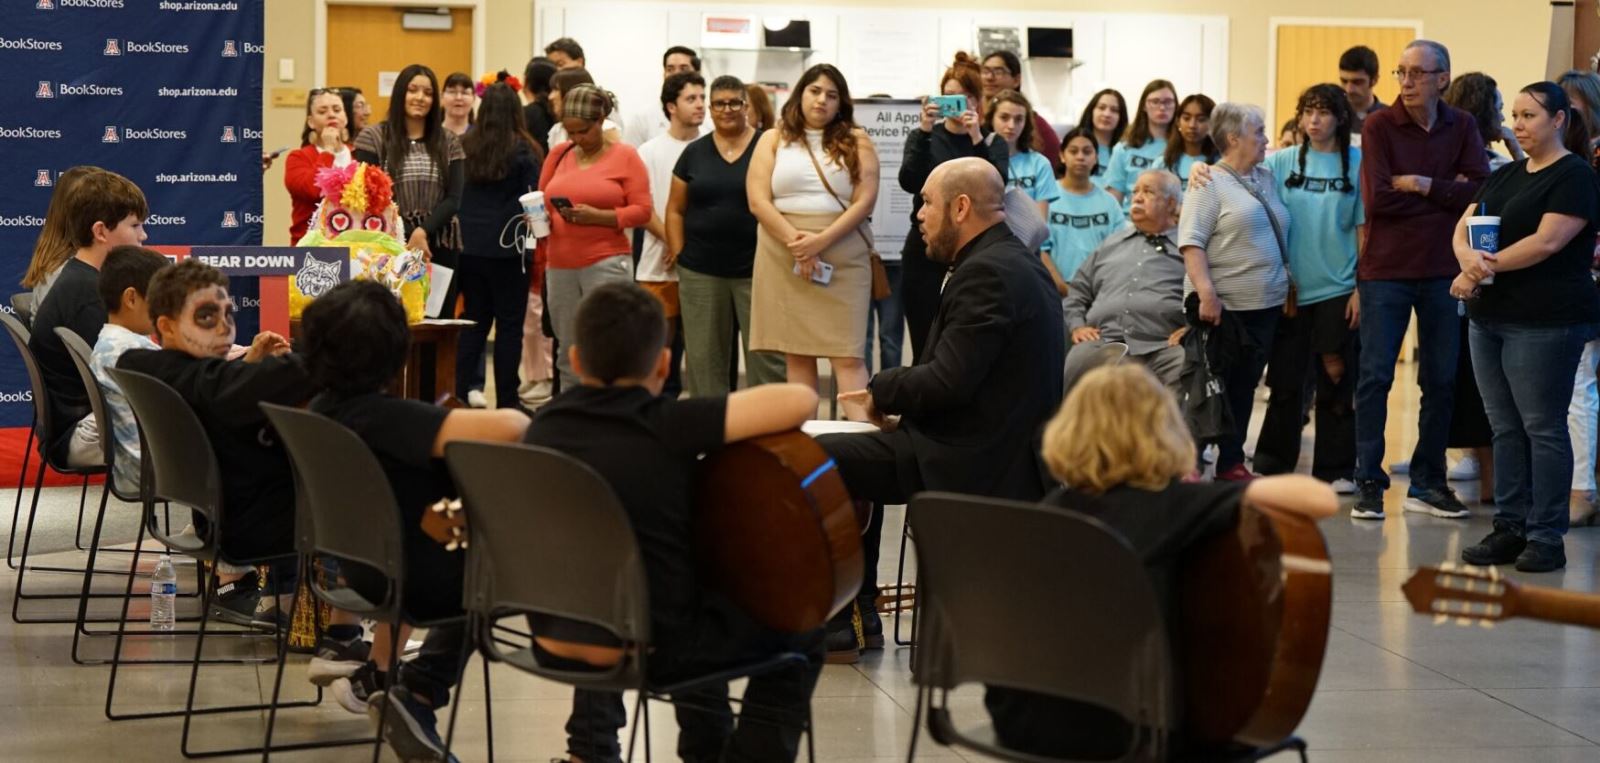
113 48
316 277
230 220
110 135
1080 221
42 179
230 49
228 135
44 90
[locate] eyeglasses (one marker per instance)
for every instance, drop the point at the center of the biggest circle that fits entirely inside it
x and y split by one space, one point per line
1160 102
1410 74
996 71
727 105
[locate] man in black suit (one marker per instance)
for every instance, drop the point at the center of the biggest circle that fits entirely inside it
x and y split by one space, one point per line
966 418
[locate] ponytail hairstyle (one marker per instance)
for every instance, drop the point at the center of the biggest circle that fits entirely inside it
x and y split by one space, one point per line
1330 98
1554 100
1139 132
1177 145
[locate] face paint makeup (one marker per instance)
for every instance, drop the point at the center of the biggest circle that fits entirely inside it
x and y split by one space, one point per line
206 324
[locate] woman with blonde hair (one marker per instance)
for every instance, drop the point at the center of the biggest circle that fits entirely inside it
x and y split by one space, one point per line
54 245
1121 449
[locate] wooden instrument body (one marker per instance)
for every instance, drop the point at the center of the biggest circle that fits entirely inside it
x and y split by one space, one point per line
776 531
1255 610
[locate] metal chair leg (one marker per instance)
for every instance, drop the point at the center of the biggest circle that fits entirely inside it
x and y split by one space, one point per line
16 506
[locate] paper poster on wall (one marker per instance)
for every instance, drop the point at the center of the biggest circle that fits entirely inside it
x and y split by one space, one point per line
386 81
993 39
888 122
889 54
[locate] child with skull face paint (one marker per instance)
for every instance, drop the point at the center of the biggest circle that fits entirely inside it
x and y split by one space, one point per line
193 317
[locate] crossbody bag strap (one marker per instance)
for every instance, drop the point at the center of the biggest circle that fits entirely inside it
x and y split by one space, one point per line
823 176
1277 230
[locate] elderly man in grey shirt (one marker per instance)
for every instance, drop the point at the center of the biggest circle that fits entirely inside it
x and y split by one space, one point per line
1131 289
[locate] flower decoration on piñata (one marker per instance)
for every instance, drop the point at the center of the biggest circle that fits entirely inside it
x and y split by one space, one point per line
358 212
499 76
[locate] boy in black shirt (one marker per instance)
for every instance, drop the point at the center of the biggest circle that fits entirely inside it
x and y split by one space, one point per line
193 316
355 343
104 210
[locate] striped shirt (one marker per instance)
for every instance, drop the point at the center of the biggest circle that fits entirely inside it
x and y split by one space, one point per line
1227 221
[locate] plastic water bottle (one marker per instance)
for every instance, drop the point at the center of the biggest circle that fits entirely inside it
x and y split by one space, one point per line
163 594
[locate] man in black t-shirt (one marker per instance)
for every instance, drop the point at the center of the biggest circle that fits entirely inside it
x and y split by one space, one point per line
647 448
104 210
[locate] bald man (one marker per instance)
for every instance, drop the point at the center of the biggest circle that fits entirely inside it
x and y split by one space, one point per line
966 418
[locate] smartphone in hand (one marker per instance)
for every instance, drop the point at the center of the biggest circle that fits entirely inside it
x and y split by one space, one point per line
561 203
822 274
950 106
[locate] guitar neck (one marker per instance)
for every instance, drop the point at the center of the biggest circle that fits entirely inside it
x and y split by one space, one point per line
1559 606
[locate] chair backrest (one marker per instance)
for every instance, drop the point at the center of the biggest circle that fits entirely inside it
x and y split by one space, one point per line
567 549
22 304
344 504
1040 599
82 357
19 336
178 462
1108 354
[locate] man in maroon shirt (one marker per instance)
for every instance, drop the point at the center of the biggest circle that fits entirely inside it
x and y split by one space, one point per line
1422 162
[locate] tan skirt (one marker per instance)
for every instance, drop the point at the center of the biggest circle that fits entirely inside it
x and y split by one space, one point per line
793 315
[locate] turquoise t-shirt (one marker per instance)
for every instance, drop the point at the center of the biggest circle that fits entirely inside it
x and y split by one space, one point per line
1326 208
1185 163
1031 172
1078 223
1126 164
1102 165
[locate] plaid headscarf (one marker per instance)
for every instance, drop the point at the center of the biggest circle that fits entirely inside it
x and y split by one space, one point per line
587 102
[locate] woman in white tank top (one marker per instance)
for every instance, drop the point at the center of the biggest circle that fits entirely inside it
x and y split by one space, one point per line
807 220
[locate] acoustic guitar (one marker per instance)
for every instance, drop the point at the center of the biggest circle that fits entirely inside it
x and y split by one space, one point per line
1254 611
1467 595
775 530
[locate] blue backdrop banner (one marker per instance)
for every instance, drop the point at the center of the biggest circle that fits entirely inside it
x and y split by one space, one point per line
165 92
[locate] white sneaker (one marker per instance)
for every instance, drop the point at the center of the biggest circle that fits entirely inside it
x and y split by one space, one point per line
476 399
1343 486
1465 470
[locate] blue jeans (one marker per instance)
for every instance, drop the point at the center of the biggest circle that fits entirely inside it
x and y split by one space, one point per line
888 317
1386 308
1525 374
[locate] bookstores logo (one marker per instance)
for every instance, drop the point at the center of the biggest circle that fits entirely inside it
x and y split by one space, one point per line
232 48
43 179
111 135
21 221
29 133
116 47
65 89
159 220
31 44
24 396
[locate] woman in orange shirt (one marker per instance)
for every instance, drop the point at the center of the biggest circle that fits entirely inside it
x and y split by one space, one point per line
598 187
325 142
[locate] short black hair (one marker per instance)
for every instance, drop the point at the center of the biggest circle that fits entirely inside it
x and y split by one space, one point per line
128 266
673 86
170 287
536 75
620 331
694 58
727 82
354 338
1360 59
566 45
1009 58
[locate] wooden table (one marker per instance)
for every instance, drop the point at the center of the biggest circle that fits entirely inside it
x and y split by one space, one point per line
432 338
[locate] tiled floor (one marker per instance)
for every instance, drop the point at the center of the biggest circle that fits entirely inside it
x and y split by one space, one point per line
1394 687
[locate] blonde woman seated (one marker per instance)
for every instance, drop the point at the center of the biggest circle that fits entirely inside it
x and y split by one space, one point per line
1120 443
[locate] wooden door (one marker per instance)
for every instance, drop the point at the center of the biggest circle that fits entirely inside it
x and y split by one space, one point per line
1309 55
364 41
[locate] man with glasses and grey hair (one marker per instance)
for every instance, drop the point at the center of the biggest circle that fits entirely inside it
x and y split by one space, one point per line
1130 290
1422 163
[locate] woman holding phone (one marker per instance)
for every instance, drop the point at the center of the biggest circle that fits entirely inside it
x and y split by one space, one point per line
940 137
1530 324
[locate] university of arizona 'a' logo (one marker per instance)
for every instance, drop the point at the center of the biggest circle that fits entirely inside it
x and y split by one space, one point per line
230 220
230 49
44 90
45 5
228 135
110 135
42 179
316 277
113 48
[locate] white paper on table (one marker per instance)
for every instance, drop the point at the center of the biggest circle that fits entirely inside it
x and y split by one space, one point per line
438 286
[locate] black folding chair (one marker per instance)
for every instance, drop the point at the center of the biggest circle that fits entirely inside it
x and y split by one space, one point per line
43 434
180 467
346 510
568 553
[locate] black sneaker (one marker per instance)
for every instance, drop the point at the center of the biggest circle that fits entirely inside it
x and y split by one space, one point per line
871 624
411 727
236 602
355 692
1541 557
1370 504
1438 501
337 659
1499 547
844 640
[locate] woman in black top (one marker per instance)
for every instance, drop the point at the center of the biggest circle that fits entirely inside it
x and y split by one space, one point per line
1530 323
715 247
536 82
493 271
1119 440
936 142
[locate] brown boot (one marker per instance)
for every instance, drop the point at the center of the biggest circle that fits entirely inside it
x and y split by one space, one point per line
1581 509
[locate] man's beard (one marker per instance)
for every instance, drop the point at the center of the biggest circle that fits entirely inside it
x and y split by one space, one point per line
942 247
